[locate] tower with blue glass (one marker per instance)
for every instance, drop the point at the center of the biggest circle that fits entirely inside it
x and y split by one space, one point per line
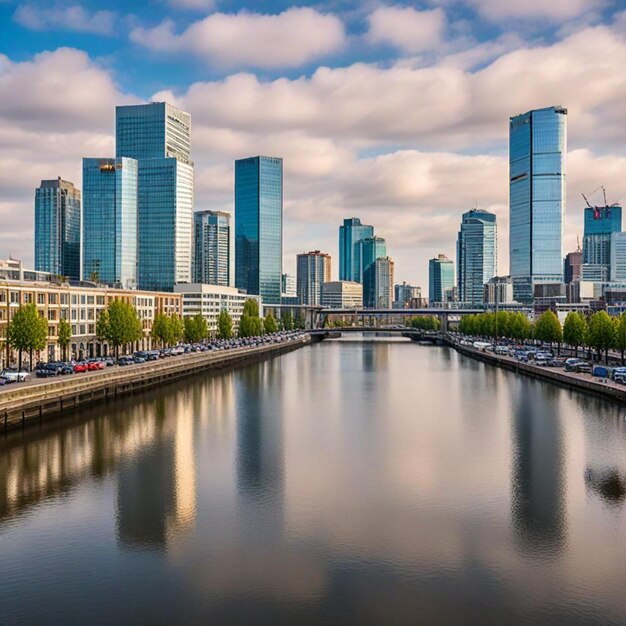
537 148
476 254
600 224
440 278
259 226
350 234
367 251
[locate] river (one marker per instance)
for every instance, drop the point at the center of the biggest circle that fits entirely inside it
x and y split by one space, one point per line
349 482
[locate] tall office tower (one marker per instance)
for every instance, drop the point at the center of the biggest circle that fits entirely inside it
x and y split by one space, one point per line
440 278
214 254
313 270
368 250
288 286
476 254
57 228
350 234
600 224
158 135
537 148
382 271
259 226
110 221
618 257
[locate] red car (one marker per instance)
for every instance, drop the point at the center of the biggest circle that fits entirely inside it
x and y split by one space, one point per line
95 365
80 367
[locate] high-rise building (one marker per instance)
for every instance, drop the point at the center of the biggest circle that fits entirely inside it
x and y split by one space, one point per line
350 234
600 224
618 257
57 228
404 294
342 294
214 254
368 250
382 270
259 226
440 278
312 271
537 149
158 135
476 254
572 274
288 288
110 221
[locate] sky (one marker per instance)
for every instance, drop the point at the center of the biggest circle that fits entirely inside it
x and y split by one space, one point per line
396 113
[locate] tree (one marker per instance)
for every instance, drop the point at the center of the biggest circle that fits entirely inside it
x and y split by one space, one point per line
195 328
269 323
224 325
160 328
620 334
299 321
250 324
601 333
176 328
65 336
574 330
548 328
119 324
287 320
520 327
27 331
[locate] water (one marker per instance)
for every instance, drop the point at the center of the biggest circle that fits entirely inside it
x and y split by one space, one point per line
348 482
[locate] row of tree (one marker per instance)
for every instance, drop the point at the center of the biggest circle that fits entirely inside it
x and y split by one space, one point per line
425 322
599 331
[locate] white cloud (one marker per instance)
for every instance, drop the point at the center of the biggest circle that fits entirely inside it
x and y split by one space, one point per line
532 10
407 29
288 39
70 18
198 5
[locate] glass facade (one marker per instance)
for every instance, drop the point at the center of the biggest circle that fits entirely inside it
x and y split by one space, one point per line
618 257
110 221
600 224
537 148
368 250
382 270
476 254
259 226
313 270
213 248
57 228
440 278
350 234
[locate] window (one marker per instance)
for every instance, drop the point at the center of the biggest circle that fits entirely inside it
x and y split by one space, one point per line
52 298
52 315
41 298
15 297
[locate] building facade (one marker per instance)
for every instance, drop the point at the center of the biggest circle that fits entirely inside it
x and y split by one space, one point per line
476 254
618 257
367 251
110 221
342 294
498 290
440 279
404 294
600 224
350 234
537 149
383 276
312 271
288 286
158 136
214 248
259 226
57 228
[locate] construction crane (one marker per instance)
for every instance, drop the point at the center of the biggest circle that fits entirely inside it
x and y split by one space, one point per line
597 209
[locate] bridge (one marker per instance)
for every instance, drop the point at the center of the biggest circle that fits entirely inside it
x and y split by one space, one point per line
414 334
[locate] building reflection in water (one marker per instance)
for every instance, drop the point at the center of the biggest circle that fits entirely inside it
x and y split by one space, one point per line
375 355
537 481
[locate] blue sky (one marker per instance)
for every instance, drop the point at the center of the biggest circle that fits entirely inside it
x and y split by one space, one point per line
394 112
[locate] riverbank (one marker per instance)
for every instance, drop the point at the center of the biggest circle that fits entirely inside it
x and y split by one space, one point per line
572 380
23 405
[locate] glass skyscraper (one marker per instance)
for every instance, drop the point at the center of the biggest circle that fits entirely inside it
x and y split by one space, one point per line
158 135
618 257
57 228
440 278
537 148
313 270
600 224
110 221
350 234
476 254
259 226
368 250
213 248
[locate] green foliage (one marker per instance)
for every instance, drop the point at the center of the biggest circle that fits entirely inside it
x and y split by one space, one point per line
574 330
65 336
619 324
287 320
250 324
508 324
425 322
601 332
195 328
548 328
119 324
177 328
27 331
224 325
160 328
299 321
269 323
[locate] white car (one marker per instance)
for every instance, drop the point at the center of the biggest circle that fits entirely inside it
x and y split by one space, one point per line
13 376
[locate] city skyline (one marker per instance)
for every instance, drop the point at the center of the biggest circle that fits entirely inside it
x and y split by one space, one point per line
404 161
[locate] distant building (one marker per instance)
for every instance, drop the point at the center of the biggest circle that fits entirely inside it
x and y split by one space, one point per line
382 270
312 271
476 254
440 279
350 234
600 224
368 250
259 226
57 228
404 294
573 274
498 290
342 294
110 216
288 289
214 254
618 257
537 149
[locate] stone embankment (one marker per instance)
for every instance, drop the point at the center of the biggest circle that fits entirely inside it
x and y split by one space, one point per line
24 404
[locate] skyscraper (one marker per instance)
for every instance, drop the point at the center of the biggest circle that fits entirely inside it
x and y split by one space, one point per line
368 250
440 278
476 254
537 148
600 224
57 228
313 270
259 226
382 270
158 135
214 255
110 221
618 257
350 234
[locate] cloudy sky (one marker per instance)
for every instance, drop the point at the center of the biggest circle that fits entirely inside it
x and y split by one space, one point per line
395 113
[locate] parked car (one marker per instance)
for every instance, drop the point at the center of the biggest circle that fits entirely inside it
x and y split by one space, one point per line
583 368
11 375
3 381
125 360
48 370
67 368
153 355
80 367
571 364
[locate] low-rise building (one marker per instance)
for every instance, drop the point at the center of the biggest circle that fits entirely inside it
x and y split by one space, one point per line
498 290
342 294
209 300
